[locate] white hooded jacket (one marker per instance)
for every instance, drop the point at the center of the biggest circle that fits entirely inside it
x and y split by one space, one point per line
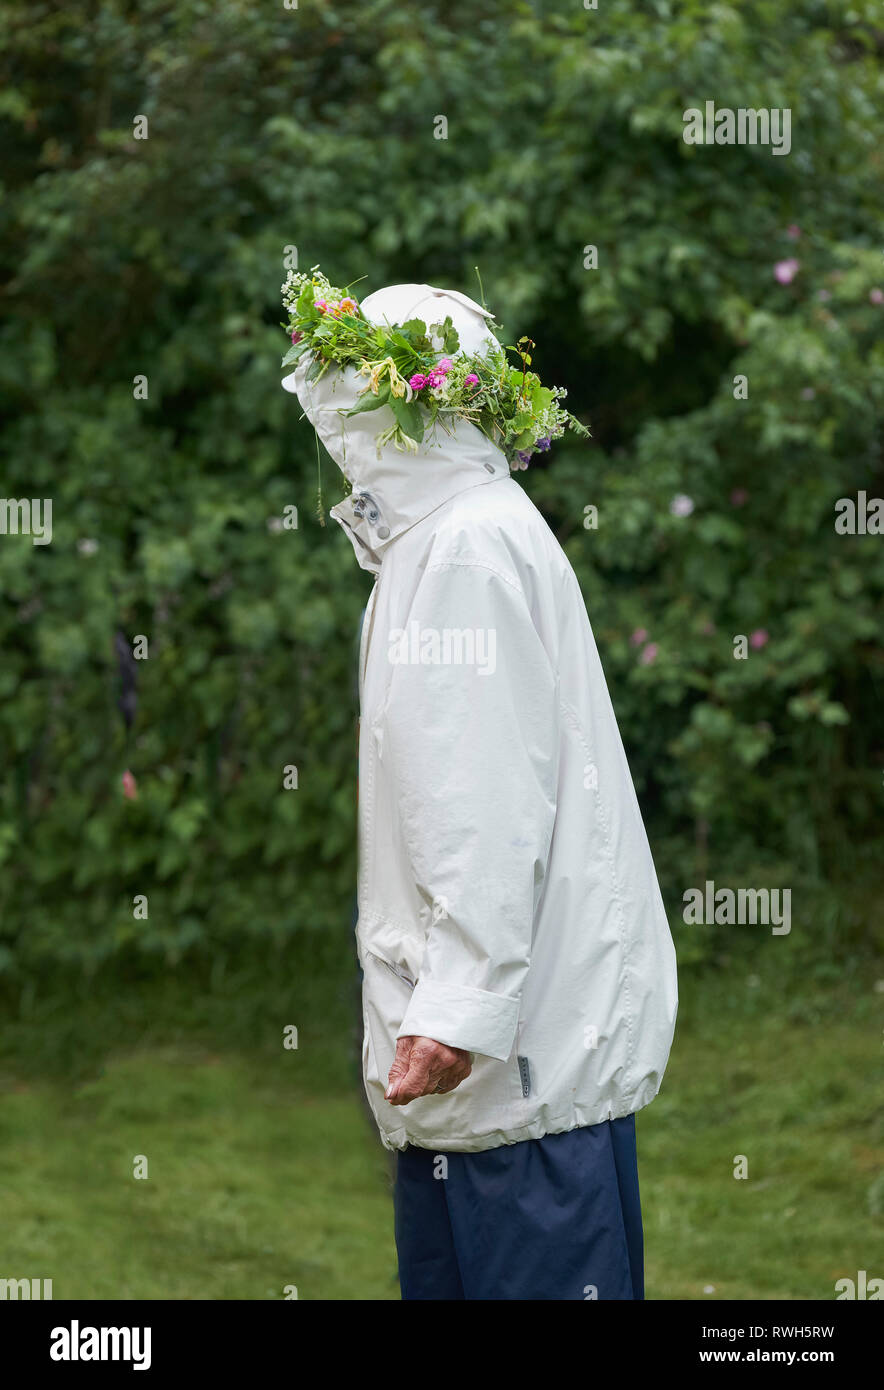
508 902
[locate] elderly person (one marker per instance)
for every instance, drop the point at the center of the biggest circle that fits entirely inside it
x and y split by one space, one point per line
519 975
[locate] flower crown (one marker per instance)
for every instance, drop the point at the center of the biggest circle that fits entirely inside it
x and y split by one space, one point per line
421 374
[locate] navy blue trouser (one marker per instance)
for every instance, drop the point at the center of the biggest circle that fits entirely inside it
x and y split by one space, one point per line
553 1218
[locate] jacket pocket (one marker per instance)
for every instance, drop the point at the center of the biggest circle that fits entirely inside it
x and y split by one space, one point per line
395 969
395 942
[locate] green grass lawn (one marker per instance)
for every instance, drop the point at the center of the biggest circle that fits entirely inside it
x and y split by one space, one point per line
264 1170
801 1102
255 1183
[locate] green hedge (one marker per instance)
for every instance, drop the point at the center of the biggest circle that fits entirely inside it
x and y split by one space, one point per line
162 257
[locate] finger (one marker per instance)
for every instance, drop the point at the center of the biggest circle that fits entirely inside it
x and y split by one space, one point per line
451 1080
444 1079
415 1083
455 1074
399 1069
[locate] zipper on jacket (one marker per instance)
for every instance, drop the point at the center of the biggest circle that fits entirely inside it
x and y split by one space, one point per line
365 637
524 1075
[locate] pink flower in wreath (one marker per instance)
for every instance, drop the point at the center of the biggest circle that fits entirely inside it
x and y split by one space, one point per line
417 382
471 380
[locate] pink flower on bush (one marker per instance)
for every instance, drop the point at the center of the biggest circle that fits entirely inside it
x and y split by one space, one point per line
417 382
640 635
649 655
785 271
759 638
876 296
793 231
130 790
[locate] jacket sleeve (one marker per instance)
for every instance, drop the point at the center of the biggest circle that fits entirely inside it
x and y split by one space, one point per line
472 732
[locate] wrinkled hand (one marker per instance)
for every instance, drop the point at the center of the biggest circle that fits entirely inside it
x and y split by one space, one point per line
423 1067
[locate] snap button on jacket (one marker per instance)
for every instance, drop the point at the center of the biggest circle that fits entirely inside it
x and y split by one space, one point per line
508 902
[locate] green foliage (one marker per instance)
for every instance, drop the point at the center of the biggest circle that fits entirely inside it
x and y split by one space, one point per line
123 258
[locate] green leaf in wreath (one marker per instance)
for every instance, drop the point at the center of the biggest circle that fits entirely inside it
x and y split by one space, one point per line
416 331
448 333
370 401
408 417
400 340
295 351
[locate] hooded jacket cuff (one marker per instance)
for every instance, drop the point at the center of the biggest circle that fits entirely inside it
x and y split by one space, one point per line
472 1019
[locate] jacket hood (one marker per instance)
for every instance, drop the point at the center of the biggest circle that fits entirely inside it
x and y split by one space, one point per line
393 490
